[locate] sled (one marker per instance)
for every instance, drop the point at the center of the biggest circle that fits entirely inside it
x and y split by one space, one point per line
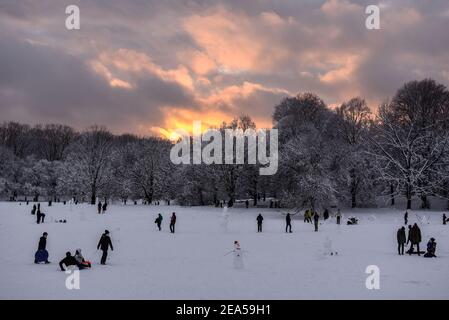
415 252
41 256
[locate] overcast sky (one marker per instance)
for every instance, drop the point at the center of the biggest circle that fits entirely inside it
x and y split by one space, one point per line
150 66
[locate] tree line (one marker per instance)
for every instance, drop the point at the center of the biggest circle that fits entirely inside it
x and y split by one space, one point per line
346 155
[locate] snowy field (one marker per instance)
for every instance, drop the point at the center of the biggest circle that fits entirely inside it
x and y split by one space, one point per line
191 264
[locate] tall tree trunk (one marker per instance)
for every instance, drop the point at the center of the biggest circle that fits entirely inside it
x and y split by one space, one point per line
392 194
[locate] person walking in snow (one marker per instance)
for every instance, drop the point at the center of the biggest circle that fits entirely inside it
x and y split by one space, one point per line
105 206
40 216
247 204
316 218
338 216
172 222
42 246
401 240
99 207
444 219
415 238
288 223
158 221
104 244
326 214
33 211
406 217
259 222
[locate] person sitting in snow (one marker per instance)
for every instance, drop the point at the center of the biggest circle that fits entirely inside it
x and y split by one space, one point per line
80 259
431 249
352 221
69 260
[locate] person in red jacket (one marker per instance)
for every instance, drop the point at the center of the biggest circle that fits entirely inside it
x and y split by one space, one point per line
172 223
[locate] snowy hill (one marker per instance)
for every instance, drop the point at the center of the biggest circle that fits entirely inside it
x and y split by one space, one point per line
191 264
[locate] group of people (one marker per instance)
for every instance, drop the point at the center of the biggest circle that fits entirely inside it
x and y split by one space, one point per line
39 215
76 260
414 238
309 217
102 207
159 219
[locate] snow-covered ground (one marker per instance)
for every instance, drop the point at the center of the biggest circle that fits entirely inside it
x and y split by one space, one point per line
191 264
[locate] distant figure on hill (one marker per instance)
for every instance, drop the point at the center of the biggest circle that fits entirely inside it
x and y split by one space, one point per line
401 237
105 206
338 215
259 222
172 223
99 207
40 216
406 217
288 223
104 244
247 204
158 221
316 219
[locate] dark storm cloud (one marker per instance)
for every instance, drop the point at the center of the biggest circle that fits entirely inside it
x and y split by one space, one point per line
199 55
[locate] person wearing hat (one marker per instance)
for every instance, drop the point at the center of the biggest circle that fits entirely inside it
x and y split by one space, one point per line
104 244
42 246
431 248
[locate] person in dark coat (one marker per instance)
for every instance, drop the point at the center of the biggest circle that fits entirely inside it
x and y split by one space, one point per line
401 237
288 223
69 260
105 206
42 245
431 249
316 219
259 222
158 221
406 217
33 211
172 222
326 214
444 218
338 215
409 234
40 216
99 207
415 238
247 204
104 244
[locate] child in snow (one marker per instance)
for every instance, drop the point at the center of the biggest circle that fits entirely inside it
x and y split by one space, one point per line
431 248
69 260
80 259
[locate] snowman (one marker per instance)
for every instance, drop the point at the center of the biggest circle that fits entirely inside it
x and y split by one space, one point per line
238 256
